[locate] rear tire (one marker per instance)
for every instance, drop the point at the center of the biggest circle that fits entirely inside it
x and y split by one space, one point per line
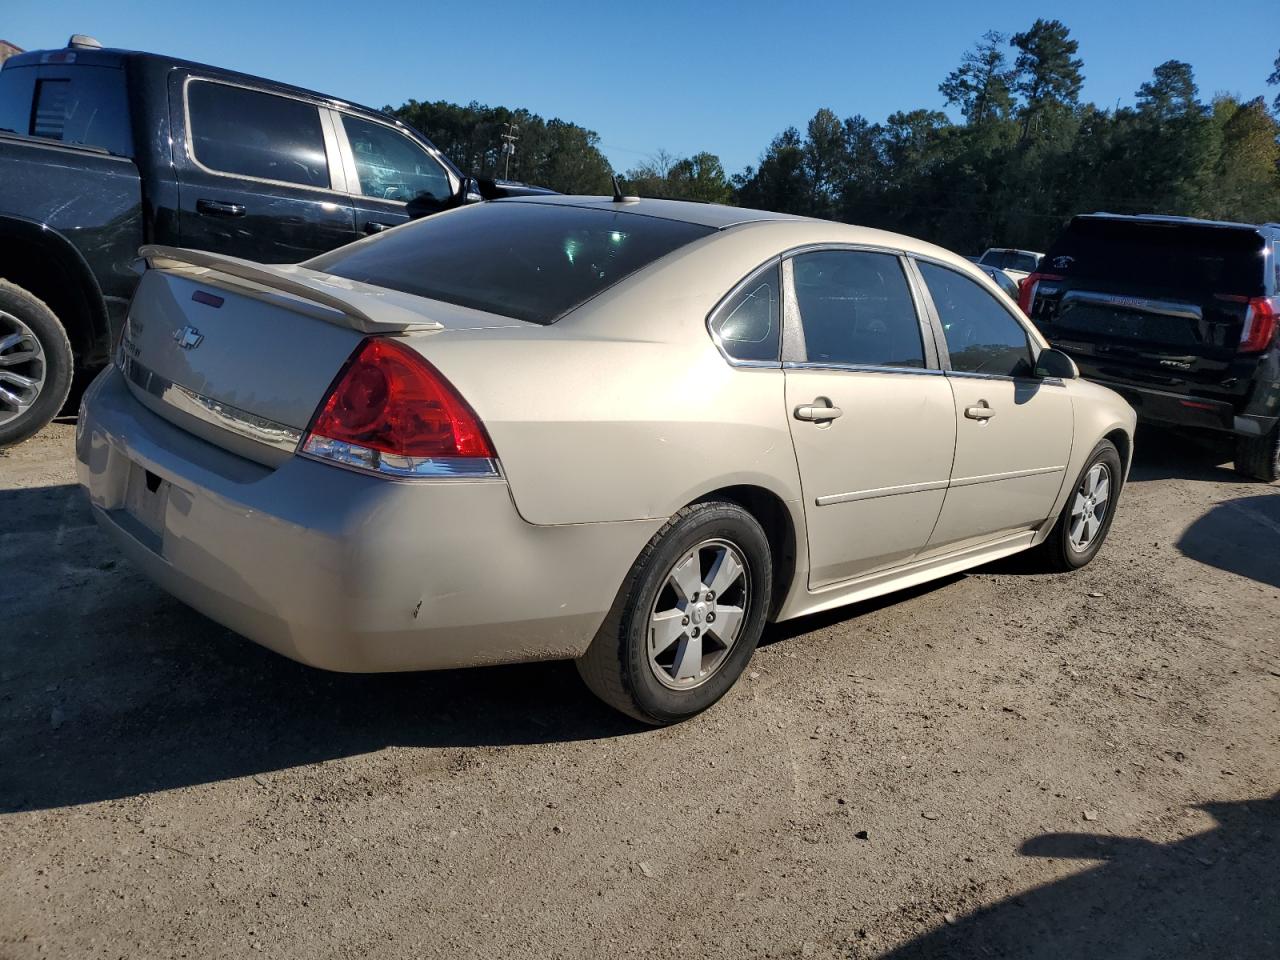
36 364
1259 457
1072 544
667 650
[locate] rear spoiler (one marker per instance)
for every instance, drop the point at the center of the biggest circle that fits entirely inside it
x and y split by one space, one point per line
359 306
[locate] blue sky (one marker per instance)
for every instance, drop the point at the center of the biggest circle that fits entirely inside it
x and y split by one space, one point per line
724 77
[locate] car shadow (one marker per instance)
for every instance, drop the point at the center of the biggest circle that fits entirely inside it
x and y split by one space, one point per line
1212 894
1241 536
110 688
1165 454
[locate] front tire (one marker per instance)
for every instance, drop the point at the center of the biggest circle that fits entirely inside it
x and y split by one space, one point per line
688 616
1259 457
1086 517
36 364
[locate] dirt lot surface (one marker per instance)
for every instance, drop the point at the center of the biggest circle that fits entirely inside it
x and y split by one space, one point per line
1001 764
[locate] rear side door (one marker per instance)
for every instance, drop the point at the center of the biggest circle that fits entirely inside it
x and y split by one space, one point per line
1013 430
870 411
386 169
259 174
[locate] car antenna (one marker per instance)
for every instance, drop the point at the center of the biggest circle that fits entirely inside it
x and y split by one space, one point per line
618 195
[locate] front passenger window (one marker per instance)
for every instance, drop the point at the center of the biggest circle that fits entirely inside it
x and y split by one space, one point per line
856 308
391 166
981 335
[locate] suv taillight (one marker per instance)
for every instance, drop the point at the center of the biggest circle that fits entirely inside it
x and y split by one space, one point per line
1260 320
1027 289
392 413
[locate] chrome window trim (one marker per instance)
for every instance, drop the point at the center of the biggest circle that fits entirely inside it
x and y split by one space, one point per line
349 157
714 315
1051 381
338 175
189 142
271 433
860 368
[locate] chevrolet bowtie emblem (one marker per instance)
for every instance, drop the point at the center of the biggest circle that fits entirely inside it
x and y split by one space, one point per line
188 338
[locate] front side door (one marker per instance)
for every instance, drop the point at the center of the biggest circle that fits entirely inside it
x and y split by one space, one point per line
255 172
1013 431
387 169
871 415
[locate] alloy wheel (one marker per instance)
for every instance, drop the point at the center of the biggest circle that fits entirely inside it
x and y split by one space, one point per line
698 614
22 367
1089 508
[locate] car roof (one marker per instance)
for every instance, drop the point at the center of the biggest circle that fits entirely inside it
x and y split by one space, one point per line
800 230
713 215
114 56
1172 219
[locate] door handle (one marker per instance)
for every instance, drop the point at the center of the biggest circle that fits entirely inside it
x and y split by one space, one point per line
820 411
982 411
220 208
373 226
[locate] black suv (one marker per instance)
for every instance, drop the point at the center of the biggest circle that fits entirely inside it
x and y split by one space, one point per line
1177 315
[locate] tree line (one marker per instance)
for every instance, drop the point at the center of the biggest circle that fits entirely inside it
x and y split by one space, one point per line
1026 155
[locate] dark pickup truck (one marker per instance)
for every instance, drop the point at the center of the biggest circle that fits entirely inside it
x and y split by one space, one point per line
102 151
1179 316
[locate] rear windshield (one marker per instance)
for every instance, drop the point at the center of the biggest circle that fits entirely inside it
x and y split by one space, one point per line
531 261
1185 258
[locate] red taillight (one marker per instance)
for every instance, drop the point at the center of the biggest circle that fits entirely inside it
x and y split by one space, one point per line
1027 289
1260 320
392 412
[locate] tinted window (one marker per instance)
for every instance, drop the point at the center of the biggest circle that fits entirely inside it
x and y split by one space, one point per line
532 261
748 323
981 335
72 104
856 308
253 134
1157 257
1020 261
393 167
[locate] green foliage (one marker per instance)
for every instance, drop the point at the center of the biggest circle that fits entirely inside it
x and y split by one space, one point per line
700 177
549 153
1028 154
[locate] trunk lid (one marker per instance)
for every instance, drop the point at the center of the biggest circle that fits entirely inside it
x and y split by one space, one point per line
1153 303
242 354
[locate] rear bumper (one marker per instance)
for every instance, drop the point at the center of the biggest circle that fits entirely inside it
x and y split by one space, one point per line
1178 409
345 571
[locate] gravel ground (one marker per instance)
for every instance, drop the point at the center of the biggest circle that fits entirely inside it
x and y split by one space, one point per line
1000 764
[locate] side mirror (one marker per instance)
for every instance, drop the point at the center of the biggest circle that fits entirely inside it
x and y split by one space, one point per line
1055 363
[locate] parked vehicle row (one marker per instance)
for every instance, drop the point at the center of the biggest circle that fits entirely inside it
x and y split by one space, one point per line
102 151
401 454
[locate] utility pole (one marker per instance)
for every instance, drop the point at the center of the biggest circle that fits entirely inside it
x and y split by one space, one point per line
509 139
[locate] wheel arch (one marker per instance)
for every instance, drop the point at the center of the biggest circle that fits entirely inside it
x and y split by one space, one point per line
48 266
1123 444
780 527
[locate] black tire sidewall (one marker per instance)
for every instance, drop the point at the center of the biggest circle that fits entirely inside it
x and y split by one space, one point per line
59 363
1104 452
714 520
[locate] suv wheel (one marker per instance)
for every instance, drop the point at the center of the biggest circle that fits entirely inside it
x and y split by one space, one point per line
687 618
35 364
1259 457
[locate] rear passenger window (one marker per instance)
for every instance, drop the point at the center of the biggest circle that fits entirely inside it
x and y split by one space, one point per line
747 325
856 308
253 134
981 335
72 103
